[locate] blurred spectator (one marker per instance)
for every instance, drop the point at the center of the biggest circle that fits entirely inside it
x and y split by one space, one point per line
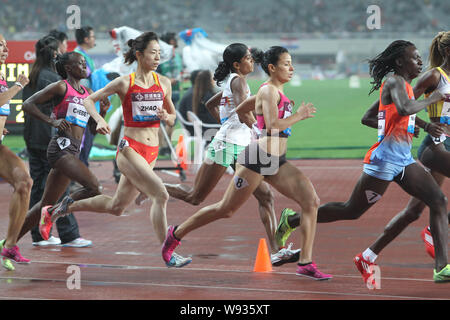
306 16
185 104
85 37
173 70
204 89
174 67
62 38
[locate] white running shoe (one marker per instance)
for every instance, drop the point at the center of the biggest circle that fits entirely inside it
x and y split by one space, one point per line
177 261
52 241
78 243
285 255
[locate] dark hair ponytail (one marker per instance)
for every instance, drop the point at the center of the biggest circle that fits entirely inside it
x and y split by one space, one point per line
385 62
45 51
233 53
138 44
271 56
257 55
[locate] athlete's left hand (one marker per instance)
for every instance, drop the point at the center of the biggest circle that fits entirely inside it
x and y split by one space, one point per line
104 106
162 114
5 131
416 131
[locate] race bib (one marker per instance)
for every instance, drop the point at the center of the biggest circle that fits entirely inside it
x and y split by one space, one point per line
123 144
381 124
445 115
256 132
440 139
4 109
77 114
411 123
146 105
287 113
63 142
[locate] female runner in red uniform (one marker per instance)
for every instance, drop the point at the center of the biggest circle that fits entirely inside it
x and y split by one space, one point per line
146 100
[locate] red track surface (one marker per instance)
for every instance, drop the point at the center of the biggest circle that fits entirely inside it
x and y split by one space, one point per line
125 260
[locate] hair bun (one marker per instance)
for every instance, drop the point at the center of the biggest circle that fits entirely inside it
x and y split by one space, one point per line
131 42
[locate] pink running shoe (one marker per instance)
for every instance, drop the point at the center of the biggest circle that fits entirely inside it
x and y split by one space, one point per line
169 245
14 255
311 271
428 239
45 225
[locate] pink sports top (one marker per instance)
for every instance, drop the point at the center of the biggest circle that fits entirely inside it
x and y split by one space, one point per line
284 111
4 109
72 107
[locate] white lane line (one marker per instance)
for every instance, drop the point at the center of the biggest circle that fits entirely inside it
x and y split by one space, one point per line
326 293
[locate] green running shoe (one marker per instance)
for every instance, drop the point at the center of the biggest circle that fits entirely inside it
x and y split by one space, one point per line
443 275
284 230
6 263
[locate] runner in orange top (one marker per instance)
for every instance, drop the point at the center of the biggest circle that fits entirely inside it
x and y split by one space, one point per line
434 150
389 159
146 99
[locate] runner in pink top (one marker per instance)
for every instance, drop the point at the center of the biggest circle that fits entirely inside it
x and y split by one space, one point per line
70 118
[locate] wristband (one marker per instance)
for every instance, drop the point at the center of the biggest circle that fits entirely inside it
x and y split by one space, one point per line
17 83
425 128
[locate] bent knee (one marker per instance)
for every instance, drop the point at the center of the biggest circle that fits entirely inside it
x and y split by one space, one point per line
224 211
161 197
24 186
266 198
412 214
311 205
196 199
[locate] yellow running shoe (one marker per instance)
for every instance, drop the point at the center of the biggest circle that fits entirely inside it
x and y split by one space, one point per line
284 230
443 275
6 263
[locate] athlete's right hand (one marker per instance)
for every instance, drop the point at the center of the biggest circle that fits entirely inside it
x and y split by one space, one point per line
103 127
60 124
23 79
306 111
436 129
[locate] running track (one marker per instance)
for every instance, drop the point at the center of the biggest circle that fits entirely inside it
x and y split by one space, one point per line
125 261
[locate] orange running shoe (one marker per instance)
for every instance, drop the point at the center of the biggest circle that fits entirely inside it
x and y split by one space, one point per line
45 225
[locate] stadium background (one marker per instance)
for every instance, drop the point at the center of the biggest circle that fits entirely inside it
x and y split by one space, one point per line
328 40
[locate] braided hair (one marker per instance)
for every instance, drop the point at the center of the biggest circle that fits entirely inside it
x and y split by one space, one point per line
62 61
385 62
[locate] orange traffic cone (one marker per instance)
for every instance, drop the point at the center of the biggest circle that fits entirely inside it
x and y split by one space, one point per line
262 263
181 152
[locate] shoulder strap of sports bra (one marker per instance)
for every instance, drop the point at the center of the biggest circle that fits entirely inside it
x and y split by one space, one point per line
443 73
156 78
132 77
